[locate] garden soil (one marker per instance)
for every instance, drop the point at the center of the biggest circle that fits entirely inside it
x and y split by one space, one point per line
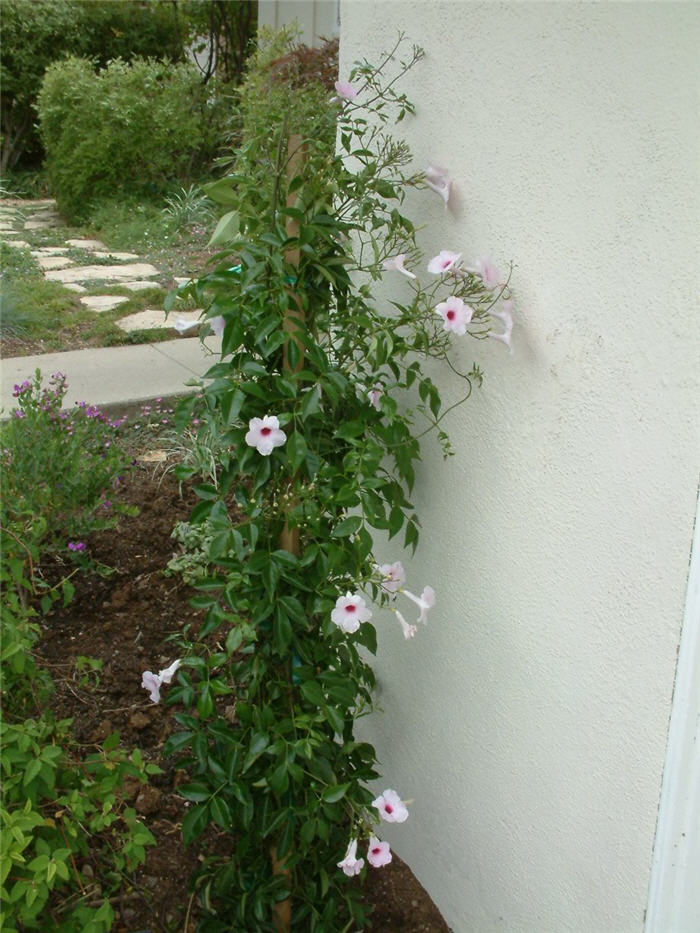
125 620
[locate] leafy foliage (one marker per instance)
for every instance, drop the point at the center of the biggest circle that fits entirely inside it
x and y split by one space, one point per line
38 33
60 805
130 128
267 730
58 467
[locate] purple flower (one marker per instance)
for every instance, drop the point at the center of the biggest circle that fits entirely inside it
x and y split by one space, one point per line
76 545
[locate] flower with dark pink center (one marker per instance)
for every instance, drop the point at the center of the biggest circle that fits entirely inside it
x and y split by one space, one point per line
264 434
378 853
391 807
350 612
455 314
443 262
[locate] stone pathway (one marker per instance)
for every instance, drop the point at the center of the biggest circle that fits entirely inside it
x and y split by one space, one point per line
20 218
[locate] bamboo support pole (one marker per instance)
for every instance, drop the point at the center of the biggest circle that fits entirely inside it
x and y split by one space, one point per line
289 537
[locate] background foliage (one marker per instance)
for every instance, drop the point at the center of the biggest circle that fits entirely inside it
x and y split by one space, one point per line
36 33
132 127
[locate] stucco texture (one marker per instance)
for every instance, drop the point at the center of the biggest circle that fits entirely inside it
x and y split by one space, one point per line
528 721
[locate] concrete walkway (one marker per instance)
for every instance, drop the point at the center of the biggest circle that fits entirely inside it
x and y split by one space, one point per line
110 375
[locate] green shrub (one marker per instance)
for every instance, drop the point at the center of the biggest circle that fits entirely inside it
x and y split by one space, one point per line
63 492
39 32
130 128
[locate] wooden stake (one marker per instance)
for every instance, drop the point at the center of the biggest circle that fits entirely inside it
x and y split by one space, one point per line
289 538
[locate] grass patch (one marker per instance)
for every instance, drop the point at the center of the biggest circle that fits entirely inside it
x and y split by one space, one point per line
38 315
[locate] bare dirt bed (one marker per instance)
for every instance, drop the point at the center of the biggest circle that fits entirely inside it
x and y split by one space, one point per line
125 620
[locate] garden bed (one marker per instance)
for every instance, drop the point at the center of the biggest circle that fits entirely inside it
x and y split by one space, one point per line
125 621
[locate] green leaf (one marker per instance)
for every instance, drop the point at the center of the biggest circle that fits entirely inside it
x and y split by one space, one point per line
311 403
194 823
296 450
311 690
281 632
221 191
221 813
333 794
348 526
226 230
197 792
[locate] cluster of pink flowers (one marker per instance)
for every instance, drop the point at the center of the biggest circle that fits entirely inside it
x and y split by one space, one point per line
393 576
391 809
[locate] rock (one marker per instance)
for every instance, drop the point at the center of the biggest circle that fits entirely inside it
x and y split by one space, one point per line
18 244
86 244
136 270
139 720
119 256
100 732
151 317
49 250
139 286
74 287
100 303
54 262
148 800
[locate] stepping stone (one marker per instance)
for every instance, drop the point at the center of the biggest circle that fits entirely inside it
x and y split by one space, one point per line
54 262
103 302
86 244
178 280
136 270
139 286
39 224
18 244
127 257
149 319
6 228
49 251
74 287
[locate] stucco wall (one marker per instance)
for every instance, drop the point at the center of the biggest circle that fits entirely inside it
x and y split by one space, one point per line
529 720
317 19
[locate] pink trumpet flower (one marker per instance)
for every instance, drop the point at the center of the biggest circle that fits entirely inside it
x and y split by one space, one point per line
350 612
425 601
437 179
393 575
153 682
397 263
443 262
350 864
455 315
264 434
391 807
490 275
408 630
374 394
506 317
378 853
345 90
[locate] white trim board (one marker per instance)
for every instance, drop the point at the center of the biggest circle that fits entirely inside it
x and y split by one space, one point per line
674 889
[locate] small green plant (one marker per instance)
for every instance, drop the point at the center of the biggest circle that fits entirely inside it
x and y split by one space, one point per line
188 206
59 467
87 671
59 807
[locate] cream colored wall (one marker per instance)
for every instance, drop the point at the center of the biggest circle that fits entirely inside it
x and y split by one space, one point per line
318 19
529 720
